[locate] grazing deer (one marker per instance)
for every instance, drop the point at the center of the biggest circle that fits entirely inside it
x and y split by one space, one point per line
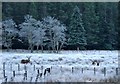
95 62
98 63
25 61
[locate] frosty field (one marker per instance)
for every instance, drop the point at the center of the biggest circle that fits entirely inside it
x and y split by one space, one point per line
61 66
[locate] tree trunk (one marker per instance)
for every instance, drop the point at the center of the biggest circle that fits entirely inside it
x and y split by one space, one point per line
37 48
53 47
57 46
78 48
49 49
42 48
61 46
8 49
31 48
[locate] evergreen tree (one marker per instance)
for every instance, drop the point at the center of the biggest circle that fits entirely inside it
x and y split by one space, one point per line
106 25
102 24
76 30
90 20
33 10
118 23
7 10
111 27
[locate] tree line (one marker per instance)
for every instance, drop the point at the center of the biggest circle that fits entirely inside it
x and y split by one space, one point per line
83 25
37 33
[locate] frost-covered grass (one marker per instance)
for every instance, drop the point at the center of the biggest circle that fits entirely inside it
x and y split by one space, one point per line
61 64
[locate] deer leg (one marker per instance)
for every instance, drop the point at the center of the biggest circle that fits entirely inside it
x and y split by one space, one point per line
40 74
97 63
48 69
44 72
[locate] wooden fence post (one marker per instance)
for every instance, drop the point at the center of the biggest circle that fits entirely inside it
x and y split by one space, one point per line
25 75
11 66
4 66
34 68
13 73
72 69
25 67
61 68
36 78
82 70
104 71
4 70
4 73
116 71
18 67
94 71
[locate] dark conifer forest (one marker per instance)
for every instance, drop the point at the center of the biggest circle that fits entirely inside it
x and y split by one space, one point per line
84 25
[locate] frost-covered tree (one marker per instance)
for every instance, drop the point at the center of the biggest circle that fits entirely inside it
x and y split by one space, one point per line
39 35
59 36
76 30
55 32
9 32
27 30
1 34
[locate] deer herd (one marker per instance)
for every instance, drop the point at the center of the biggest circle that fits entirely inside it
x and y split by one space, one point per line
26 61
48 70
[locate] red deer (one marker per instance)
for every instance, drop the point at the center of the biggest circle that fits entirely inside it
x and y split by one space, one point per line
95 62
25 61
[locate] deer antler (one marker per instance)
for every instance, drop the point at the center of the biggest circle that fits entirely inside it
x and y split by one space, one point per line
29 57
37 62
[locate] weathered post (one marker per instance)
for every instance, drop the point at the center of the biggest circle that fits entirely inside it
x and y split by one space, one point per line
116 71
18 67
11 66
72 69
4 73
34 67
94 71
82 70
3 65
61 68
25 67
25 75
104 71
4 70
13 73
